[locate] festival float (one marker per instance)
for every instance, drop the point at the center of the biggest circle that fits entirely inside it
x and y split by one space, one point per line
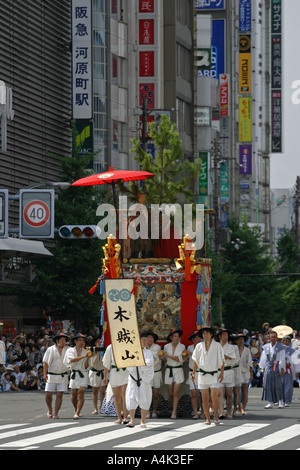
168 294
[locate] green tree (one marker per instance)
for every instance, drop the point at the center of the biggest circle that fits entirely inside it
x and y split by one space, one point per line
254 295
174 175
62 281
288 262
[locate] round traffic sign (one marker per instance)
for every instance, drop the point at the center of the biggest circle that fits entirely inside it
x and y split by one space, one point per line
36 213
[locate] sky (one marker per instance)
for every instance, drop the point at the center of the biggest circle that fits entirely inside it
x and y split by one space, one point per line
285 167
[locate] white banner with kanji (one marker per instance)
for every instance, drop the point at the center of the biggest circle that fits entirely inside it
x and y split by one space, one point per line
123 324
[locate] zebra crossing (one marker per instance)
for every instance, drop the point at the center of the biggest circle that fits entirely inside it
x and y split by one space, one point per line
159 434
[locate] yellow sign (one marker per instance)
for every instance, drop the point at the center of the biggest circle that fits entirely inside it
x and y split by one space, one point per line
245 73
123 324
245 119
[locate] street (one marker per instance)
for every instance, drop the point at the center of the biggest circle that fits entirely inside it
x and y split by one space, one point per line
25 426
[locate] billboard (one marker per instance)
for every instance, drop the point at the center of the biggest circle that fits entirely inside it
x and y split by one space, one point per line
245 119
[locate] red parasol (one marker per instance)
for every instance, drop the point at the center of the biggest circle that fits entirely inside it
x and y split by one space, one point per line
113 177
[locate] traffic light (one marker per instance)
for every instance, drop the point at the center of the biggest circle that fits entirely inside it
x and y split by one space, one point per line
79 232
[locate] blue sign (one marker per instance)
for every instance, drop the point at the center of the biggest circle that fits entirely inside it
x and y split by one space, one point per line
217 51
245 16
210 4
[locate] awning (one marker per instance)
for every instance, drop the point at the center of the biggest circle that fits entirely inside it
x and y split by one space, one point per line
24 246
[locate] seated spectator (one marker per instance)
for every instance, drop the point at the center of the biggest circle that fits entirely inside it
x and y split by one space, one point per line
29 380
41 382
35 357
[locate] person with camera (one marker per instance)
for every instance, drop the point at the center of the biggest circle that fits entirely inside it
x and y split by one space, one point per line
96 373
77 359
55 373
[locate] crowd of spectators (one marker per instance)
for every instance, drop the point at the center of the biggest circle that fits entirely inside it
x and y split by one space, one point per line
22 368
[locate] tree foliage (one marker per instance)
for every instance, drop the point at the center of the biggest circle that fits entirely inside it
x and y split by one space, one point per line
174 175
254 296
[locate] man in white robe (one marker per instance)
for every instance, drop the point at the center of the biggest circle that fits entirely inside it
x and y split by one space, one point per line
174 375
55 373
208 357
226 386
157 379
139 390
195 338
77 359
243 374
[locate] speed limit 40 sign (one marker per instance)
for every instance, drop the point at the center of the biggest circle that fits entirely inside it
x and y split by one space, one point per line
36 213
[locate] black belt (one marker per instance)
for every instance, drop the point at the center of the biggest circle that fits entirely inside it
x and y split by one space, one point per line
74 374
62 374
98 372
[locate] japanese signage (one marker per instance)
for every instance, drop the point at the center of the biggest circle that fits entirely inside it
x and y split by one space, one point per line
123 324
146 32
244 64
147 54
146 6
245 119
276 75
245 159
146 63
82 59
218 45
276 121
209 4
224 95
203 177
245 16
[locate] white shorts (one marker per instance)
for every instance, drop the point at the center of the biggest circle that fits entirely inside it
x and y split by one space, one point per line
157 379
225 385
53 387
206 387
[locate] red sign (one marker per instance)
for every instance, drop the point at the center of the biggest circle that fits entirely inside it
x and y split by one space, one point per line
147 91
146 6
224 95
36 213
146 64
146 28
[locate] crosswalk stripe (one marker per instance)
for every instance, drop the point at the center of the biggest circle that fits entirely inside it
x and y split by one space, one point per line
9 426
164 436
109 436
222 436
18 432
57 435
272 440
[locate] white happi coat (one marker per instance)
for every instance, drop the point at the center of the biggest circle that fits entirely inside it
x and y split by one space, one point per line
173 367
117 377
157 379
57 370
230 351
79 374
242 373
209 362
140 395
189 382
96 371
